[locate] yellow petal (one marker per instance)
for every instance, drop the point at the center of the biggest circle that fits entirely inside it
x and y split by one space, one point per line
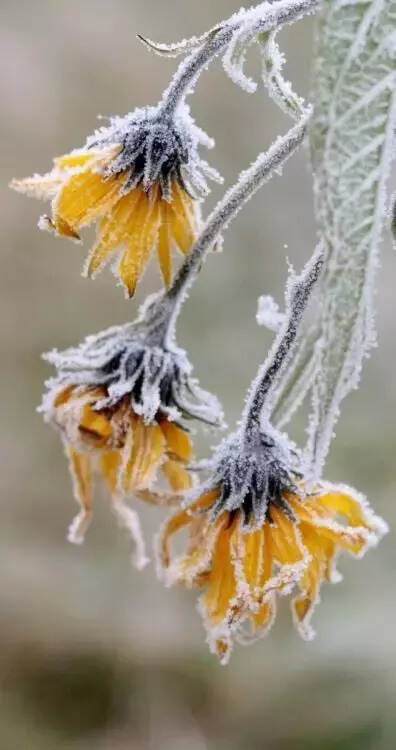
183 219
140 245
284 540
178 440
94 424
345 505
353 542
77 158
171 526
109 466
63 396
84 196
165 244
221 586
177 476
144 450
80 467
180 519
263 617
253 544
182 232
81 473
80 157
114 230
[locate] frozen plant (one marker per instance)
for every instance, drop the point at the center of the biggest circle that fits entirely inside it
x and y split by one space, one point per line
261 520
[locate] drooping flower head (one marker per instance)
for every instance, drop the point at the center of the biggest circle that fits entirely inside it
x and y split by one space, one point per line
140 179
121 401
256 529
255 532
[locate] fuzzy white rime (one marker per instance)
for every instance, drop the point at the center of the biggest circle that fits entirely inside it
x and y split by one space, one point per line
352 147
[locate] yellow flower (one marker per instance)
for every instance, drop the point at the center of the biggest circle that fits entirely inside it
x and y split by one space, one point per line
135 222
136 180
120 447
242 569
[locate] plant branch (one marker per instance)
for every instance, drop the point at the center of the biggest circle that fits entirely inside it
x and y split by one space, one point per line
298 292
265 18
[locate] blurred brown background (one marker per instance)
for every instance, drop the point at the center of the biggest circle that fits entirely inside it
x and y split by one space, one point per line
95 655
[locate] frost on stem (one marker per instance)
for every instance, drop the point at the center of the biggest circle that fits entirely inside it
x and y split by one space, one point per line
263 392
352 146
139 179
267 164
255 530
232 37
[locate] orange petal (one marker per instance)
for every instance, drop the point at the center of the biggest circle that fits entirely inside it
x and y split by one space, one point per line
177 476
109 466
114 230
78 158
221 584
183 518
84 196
139 244
171 526
264 616
343 504
285 546
94 423
178 440
165 244
143 450
81 473
253 545
63 396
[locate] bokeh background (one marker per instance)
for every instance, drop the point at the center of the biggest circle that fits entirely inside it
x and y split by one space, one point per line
93 654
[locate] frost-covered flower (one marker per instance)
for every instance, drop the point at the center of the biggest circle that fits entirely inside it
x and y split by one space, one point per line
140 179
256 532
121 401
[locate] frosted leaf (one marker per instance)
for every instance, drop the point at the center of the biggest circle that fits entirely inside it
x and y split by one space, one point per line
352 146
269 314
178 48
231 38
393 220
235 57
280 90
298 379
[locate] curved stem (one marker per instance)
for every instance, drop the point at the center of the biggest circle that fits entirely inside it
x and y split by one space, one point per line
264 17
298 293
249 182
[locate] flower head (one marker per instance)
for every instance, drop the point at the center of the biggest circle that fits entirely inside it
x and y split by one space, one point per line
256 532
140 179
121 401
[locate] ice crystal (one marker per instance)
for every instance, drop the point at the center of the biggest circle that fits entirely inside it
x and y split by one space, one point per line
268 313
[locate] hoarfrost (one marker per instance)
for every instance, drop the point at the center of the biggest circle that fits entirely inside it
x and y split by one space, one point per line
352 146
268 313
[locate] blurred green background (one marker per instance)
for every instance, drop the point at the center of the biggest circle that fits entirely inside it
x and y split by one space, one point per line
95 655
